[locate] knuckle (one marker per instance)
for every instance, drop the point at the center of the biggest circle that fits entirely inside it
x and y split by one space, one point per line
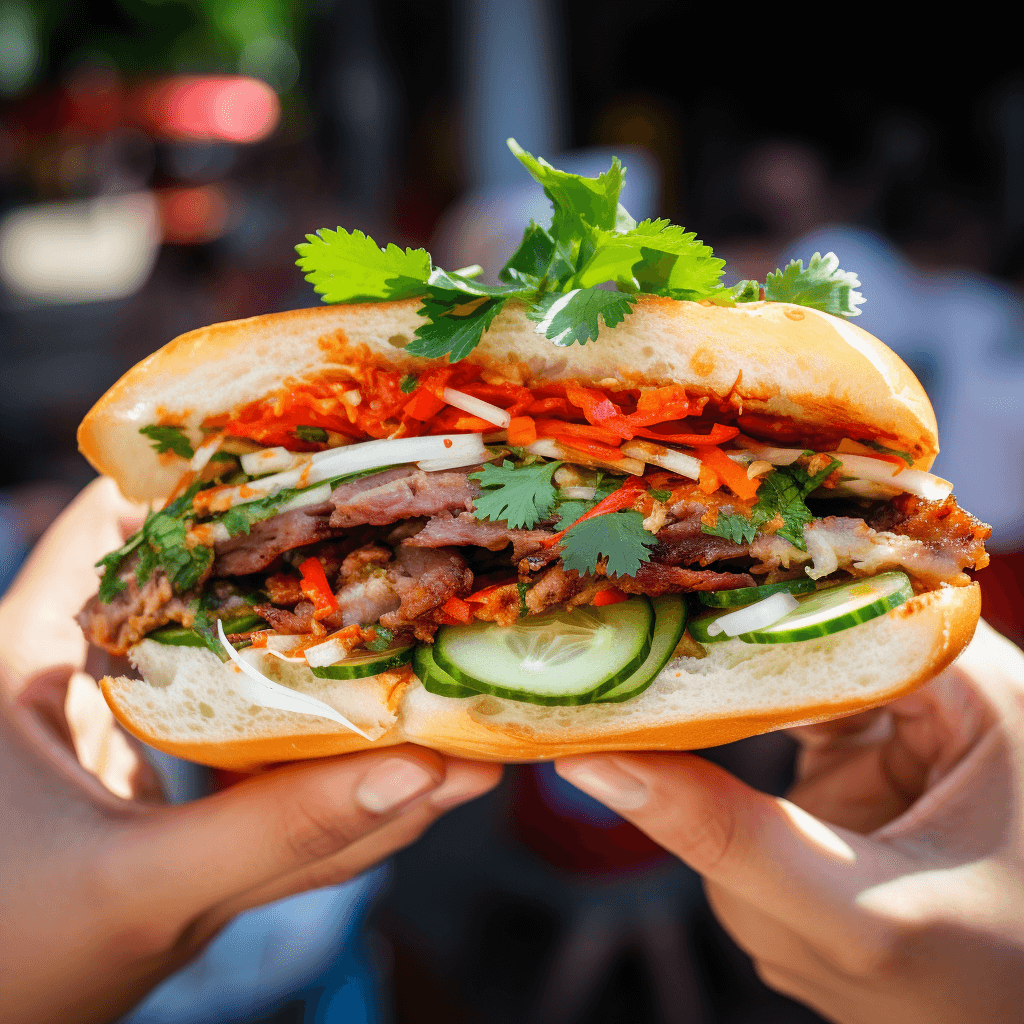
313 830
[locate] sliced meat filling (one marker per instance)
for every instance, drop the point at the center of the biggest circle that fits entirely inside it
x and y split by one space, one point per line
447 530
384 498
134 612
839 543
396 546
253 551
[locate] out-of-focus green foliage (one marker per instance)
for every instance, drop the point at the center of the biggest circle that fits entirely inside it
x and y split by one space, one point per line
254 37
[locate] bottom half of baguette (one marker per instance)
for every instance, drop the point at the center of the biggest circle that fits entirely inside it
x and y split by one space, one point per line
185 705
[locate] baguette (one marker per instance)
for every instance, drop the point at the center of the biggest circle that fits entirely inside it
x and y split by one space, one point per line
784 373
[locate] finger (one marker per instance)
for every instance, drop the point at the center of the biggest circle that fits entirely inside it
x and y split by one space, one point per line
194 856
37 628
464 781
765 850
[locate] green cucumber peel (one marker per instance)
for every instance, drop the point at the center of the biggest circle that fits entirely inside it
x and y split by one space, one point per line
748 595
669 625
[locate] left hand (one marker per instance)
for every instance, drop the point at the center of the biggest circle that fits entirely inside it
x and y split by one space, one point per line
111 895
43 653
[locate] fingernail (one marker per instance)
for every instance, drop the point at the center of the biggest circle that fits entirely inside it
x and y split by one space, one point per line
460 786
391 784
607 783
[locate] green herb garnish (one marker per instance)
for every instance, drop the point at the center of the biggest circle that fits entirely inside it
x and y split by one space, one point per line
311 435
783 493
168 439
560 272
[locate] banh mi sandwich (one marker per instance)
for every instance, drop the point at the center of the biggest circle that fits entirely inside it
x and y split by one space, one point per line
520 520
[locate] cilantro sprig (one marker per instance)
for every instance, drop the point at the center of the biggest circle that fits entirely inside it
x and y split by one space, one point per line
585 268
618 536
520 496
782 493
168 439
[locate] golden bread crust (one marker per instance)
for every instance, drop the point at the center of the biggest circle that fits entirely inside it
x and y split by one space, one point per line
783 370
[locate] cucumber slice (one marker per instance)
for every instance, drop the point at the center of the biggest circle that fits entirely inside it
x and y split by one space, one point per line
559 658
435 679
748 595
699 628
368 663
179 636
837 608
669 623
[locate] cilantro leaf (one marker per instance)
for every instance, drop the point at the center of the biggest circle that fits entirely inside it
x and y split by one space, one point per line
875 446
449 334
593 200
184 566
168 439
568 317
656 256
383 638
618 536
408 383
533 257
521 496
569 511
746 291
311 435
350 267
821 286
110 583
782 493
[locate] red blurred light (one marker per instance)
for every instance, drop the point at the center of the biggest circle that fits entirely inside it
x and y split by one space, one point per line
190 216
210 108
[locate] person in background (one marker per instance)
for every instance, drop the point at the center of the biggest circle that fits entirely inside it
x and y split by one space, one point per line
108 894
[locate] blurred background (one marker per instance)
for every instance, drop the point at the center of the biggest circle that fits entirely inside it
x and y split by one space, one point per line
159 159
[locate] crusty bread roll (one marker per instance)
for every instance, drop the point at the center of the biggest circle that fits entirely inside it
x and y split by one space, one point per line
186 705
780 371
816 376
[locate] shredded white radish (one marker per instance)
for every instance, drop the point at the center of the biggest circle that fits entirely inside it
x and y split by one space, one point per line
913 481
205 452
549 448
866 468
666 458
353 397
353 458
270 460
312 496
755 616
776 456
586 493
284 642
477 407
286 657
327 653
254 686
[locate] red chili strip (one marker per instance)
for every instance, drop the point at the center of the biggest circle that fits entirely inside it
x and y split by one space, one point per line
615 502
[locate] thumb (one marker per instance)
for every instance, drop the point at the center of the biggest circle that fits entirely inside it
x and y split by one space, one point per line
191 857
763 849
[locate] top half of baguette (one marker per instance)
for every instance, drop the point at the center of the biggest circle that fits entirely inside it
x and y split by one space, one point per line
779 370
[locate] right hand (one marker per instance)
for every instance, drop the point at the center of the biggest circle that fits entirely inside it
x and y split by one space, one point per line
889 887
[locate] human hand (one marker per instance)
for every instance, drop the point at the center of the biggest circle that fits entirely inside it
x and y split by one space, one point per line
889 887
105 896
